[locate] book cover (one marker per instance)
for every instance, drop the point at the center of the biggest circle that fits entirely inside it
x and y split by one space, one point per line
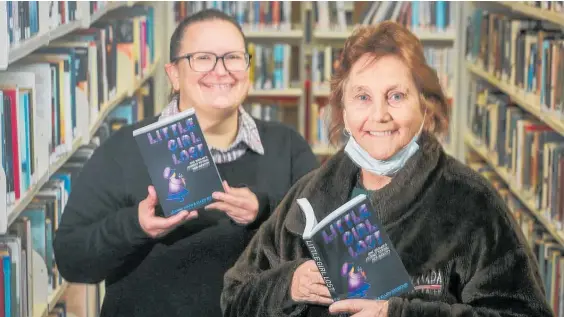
179 162
353 253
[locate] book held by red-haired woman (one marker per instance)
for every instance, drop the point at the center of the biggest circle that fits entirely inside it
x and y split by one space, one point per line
353 253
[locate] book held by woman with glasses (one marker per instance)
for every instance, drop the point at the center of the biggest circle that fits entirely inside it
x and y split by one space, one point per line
353 253
179 162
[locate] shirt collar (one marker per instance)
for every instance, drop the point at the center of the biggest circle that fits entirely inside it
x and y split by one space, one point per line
247 132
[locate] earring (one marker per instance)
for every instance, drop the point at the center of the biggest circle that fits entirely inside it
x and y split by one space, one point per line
346 132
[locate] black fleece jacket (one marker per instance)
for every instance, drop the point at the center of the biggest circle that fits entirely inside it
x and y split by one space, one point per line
457 239
99 237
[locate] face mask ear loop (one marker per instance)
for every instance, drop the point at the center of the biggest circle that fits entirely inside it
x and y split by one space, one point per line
422 122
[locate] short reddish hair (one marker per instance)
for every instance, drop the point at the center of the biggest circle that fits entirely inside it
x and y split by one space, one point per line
389 38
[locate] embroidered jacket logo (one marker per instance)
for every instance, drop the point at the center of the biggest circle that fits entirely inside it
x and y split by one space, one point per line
430 282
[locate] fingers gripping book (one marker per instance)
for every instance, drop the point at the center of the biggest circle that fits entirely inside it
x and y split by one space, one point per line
179 162
353 253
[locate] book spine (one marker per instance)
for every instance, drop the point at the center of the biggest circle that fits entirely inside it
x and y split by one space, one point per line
320 262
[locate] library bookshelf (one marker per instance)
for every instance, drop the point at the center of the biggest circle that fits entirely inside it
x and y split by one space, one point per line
13 211
37 38
513 123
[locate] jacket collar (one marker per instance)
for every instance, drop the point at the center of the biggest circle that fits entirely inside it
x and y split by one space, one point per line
330 186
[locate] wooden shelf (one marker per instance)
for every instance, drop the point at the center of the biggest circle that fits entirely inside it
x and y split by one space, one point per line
477 146
537 13
289 92
422 35
525 101
324 150
321 93
44 309
103 11
20 50
273 34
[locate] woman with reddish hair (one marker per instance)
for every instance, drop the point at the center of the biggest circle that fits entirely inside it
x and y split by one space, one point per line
460 245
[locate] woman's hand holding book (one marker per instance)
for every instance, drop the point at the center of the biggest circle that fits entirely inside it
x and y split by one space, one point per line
308 285
155 226
240 204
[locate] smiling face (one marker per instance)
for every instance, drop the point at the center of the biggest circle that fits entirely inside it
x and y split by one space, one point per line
217 91
381 105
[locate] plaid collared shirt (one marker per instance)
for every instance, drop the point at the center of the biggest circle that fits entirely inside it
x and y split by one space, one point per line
247 136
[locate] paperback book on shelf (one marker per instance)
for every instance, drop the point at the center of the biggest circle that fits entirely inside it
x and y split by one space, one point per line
353 253
179 162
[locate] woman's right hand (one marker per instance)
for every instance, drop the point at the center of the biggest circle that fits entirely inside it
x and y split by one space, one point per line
155 226
308 285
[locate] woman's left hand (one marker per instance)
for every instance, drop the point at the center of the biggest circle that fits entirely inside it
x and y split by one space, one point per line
240 204
360 307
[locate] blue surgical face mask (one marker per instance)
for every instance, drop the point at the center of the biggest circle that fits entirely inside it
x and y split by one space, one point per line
386 167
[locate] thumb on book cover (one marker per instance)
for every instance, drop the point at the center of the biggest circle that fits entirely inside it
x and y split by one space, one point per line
152 199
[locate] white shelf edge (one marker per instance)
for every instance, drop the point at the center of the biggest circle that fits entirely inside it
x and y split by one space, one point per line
536 13
321 92
42 310
30 45
109 7
22 49
324 150
273 34
422 35
523 100
289 92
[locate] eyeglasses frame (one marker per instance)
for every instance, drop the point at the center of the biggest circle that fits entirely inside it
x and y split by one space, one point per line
217 58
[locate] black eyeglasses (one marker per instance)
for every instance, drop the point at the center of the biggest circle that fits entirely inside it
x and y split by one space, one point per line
205 62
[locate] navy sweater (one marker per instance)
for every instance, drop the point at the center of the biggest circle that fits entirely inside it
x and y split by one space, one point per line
99 237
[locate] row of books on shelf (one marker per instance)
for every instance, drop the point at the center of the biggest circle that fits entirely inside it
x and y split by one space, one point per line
528 150
26 19
318 125
326 60
128 36
28 262
28 137
251 15
547 251
520 53
54 97
556 6
433 16
272 65
318 129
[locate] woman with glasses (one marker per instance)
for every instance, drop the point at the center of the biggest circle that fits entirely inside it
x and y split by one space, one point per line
154 266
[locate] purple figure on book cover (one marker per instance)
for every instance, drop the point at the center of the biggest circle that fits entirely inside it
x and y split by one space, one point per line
357 280
176 185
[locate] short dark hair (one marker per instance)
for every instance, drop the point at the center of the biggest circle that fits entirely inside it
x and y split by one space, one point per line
201 16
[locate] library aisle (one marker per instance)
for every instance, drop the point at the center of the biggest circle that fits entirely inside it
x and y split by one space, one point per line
513 80
74 72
